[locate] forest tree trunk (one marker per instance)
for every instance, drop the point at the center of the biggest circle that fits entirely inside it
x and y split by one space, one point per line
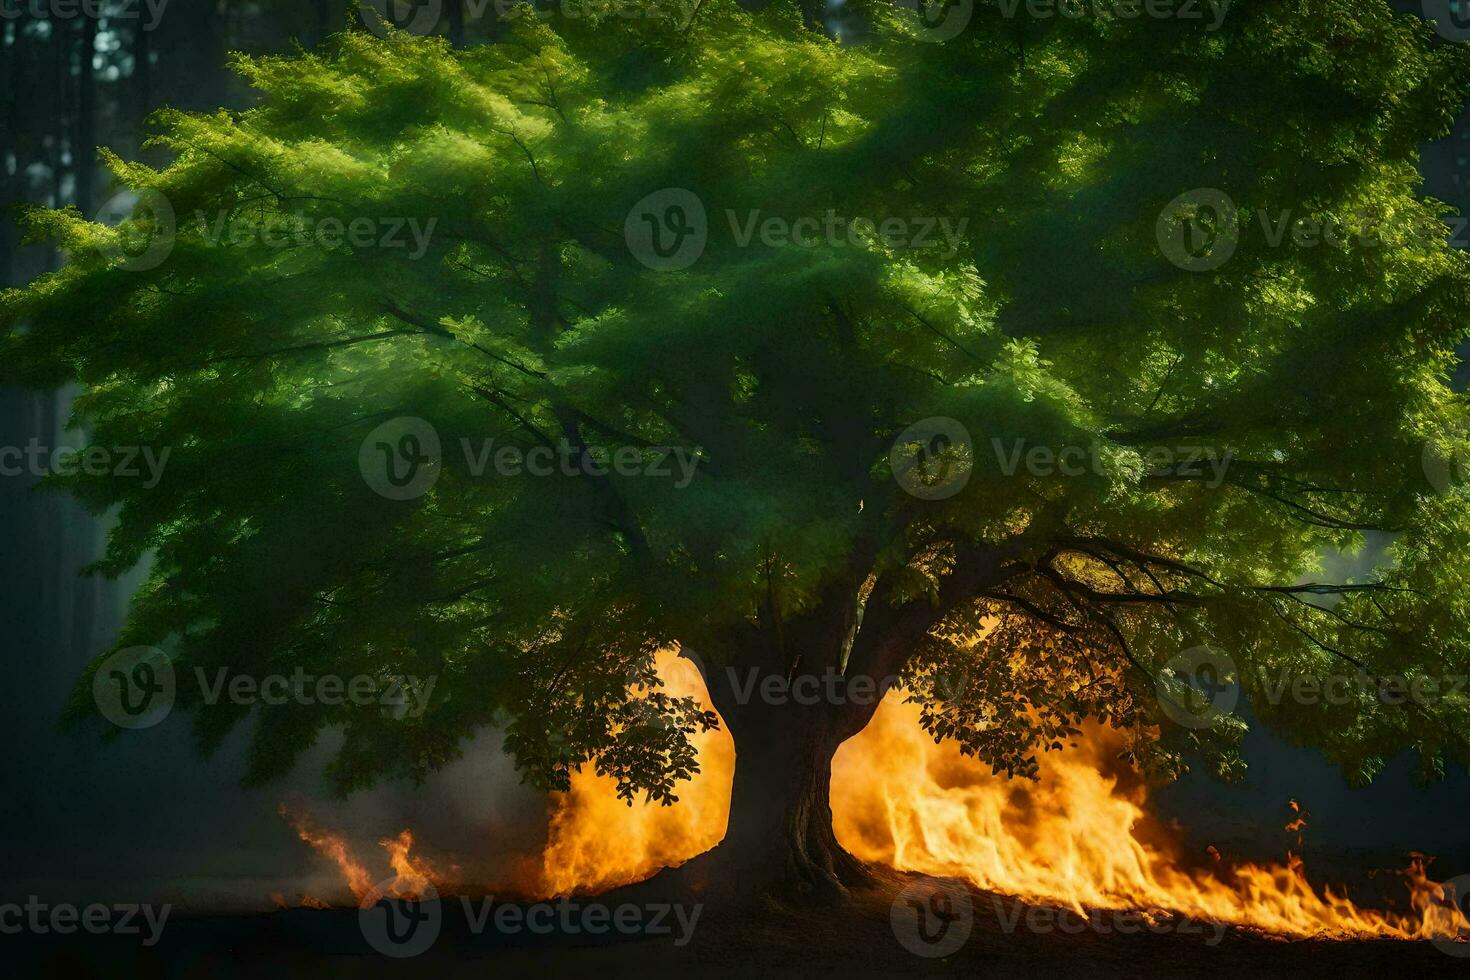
780 830
780 837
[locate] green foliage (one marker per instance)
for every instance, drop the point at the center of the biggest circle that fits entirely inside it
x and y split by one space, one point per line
1319 373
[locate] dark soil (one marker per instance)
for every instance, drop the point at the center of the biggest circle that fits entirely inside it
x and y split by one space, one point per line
764 940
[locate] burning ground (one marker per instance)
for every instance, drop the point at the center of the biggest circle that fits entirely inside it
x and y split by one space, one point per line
1075 853
1074 871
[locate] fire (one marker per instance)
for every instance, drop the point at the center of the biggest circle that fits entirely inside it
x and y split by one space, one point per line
598 842
334 847
1074 838
412 876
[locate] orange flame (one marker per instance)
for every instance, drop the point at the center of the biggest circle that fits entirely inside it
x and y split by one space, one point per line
1073 837
598 842
334 847
411 876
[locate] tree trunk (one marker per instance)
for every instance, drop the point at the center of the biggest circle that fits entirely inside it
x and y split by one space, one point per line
786 729
791 689
780 830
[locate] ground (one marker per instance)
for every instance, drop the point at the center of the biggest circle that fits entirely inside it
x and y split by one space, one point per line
858 940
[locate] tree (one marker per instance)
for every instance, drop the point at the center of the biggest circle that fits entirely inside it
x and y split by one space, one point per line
866 509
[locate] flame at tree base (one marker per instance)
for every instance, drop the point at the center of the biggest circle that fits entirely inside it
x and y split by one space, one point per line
1073 838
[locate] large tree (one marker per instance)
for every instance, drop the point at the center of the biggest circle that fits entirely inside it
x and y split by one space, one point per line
833 528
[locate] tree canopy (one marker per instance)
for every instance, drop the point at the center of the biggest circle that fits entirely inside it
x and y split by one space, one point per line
1307 377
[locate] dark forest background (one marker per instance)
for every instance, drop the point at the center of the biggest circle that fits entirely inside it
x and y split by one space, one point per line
144 816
